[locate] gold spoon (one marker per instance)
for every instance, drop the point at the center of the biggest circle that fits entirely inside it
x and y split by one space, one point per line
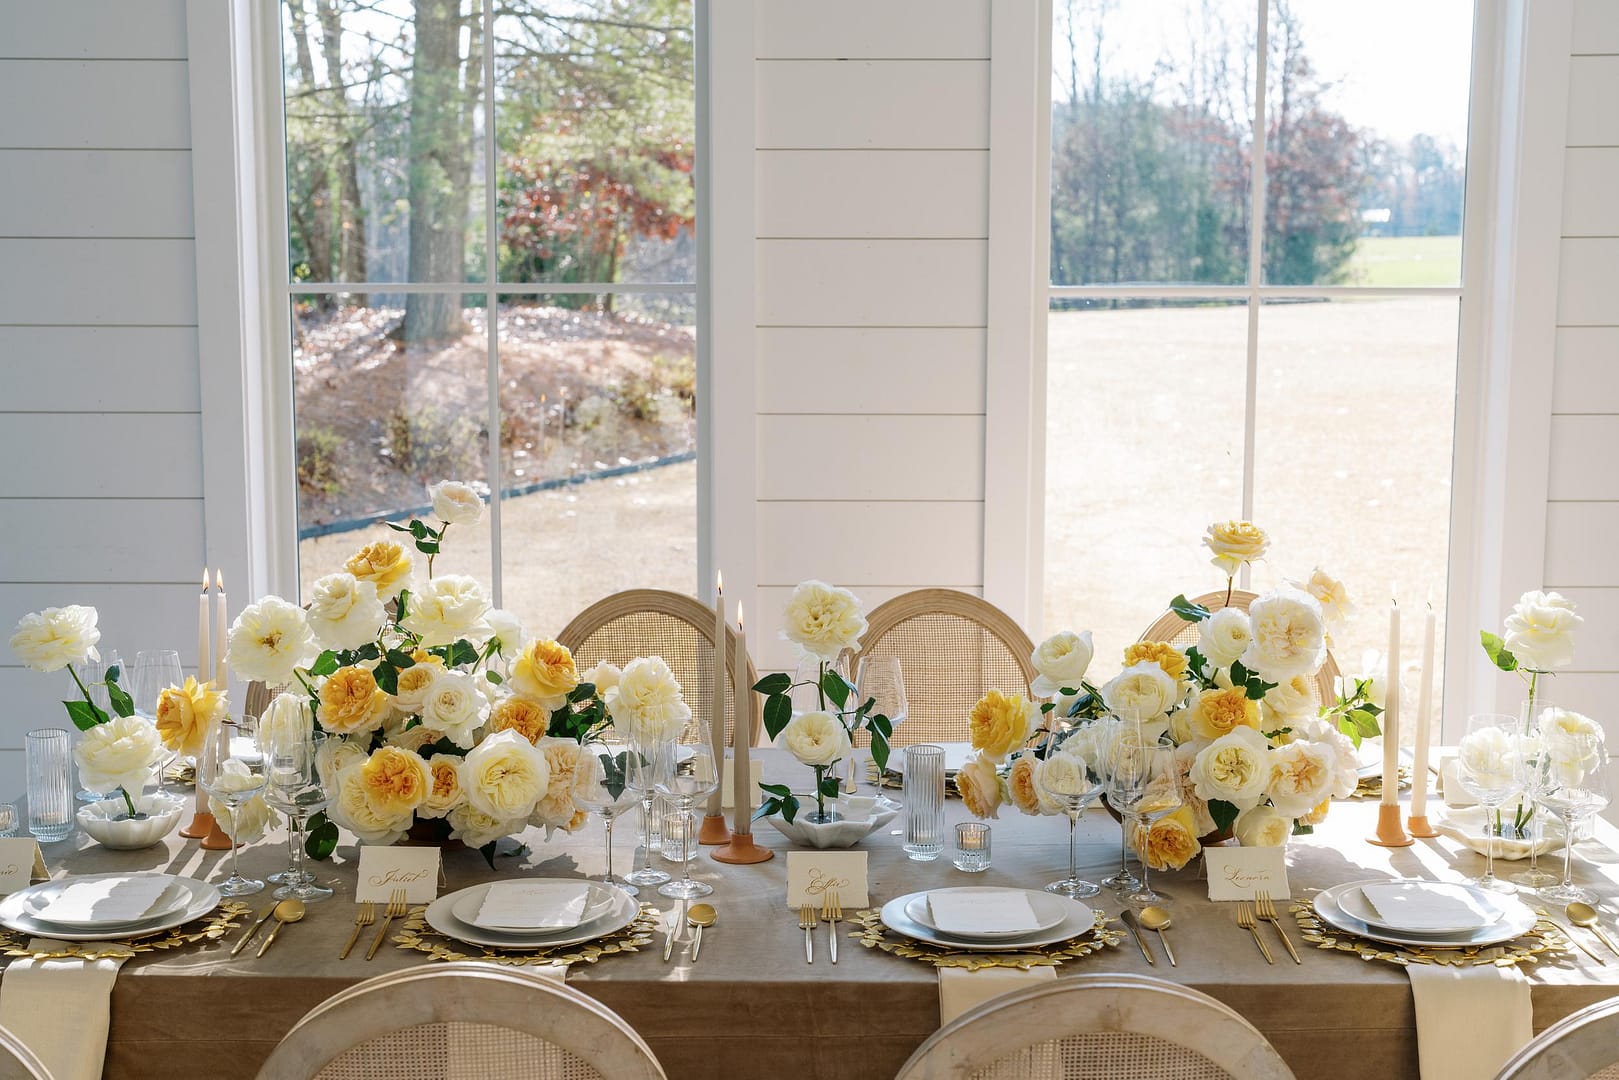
699 916
285 912
1156 918
1585 915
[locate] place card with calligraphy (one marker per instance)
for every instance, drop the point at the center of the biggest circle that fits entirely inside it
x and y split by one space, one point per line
1238 873
811 873
384 869
21 863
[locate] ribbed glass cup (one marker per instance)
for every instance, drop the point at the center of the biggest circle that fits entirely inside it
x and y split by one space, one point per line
924 802
50 787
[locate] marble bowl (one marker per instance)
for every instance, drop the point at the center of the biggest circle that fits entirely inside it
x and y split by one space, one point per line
108 824
843 833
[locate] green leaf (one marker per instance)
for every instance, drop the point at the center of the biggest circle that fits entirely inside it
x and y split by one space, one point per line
387 677
396 527
463 652
880 725
122 703
789 808
1196 660
368 651
324 664
779 683
85 715
1187 610
402 608
1365 722
836 687
1496 650
1222 812
113 673
1256 688
488 853
778 713
495 677
879 750
829 787
778 790
399 659
418 528
427 547
1047 706
320 838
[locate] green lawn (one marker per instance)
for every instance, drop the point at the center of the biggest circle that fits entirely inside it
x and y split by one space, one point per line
1406 260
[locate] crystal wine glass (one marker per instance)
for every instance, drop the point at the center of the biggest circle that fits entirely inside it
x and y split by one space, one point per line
1066 779
293 785
1484 766
1144 785
640 772
1574 785
1530 775
231 769
155 671
880 680
601 785
686 782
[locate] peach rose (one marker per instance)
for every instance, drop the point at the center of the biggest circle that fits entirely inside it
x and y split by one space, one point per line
351 702
384 564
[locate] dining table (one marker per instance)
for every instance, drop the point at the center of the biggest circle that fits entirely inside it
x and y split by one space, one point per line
753 1007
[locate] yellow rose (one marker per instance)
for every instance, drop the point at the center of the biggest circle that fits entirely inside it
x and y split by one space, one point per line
445 794
1216 712
1170 843
350 702
1318 815
385 564
396 782
1234 543
1000 724
1162 653
184 713
980 788
522 716
544 672
1020 785
415 683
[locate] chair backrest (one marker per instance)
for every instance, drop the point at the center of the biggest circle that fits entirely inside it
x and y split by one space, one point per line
952 647
17 1062
679 628
461 1019
1172 628
1098 1025
256 700
1581 1045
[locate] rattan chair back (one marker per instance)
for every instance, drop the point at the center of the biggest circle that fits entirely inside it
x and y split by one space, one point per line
1583 1045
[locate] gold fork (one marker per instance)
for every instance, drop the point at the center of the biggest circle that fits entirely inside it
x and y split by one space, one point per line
1267 911
363 918
832 912
807 923
1245 919
396 907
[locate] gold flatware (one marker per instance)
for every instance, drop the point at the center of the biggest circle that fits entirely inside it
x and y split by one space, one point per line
1130 920
362 919
832 912
1585 915
1245 919
288 911
1267 911
264 917
807 923
1568 932
396 907
1157 919
701 915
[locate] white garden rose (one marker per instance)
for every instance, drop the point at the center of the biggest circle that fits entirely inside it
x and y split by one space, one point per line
1330 593
474 828
978 783
1289 636
352 808
247 823
345 612
1339 747
455 503
504 776
823 620
118 754
1064 774
555 810
334 756
1061 660
286 718
505 631
605 678
1234 543
1141 692
1290 700
413 686
1184 757
1302 776
454 707
815 738
268 640
1540 630
448 607
1572 742
1234 768
649 707
1262 826
1224 636
446 792
1486 759
52 639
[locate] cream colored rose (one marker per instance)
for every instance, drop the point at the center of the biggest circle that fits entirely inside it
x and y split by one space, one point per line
556 809
384 564
979 786
1573 744
268 640
522 716
1486 758
1339 749
505 631
1215 712
1064 774
351 703
649 706
396 781
415 683
185 712
353 809
1000 723
454 707
1540 631
1330 593
1290 701
544 672
1224 636
415 739
474 828
455 503
504 776
447 608
823 620
1234 543
1234 768
1141 692
1302 774
286 720
334 756
1182 761
1020 787
445 794
1168 843
118 754
1062 660
52 639
344 612
815 738
1289 636
605 678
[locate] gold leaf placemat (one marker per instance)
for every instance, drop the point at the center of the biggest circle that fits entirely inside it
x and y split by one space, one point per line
224 918
870 932
416 934
1527 948
1371 787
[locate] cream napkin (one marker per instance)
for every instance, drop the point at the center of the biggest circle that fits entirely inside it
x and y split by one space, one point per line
61 1009
1469 1019
518 905
1427 905
109 900
995 911
961 990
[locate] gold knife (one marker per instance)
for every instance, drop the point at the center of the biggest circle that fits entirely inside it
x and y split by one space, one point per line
264 917
1129 918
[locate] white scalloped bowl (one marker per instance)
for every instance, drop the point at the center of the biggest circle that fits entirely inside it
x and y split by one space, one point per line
833 834
101 820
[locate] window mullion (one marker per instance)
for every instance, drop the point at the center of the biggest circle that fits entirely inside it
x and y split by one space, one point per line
1256 267
491 297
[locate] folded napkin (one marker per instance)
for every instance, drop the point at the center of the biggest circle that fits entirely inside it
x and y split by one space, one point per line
60 1009
108 900
988 911
1428 905
961 990
1469 1019
533 905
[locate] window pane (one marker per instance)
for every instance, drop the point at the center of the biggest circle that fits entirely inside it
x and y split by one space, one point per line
596 115
1366 141
1151 136
378 416
384 104
1144 448
598 438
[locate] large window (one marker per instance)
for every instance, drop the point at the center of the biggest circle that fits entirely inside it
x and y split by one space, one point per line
492 278
1256 276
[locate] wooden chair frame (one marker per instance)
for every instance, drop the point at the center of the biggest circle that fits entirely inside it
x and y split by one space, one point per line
1082 1004
1578 1046
17 1061
1169 624
907 606
468 992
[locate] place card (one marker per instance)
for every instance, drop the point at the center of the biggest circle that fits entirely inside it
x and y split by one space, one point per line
1237 873
384 869
811 873
21 863
728 783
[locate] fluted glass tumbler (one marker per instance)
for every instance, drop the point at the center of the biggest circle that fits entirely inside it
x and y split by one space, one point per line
50 786
924 802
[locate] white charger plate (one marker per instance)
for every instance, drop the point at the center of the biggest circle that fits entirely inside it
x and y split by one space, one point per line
1517 920
441 917
1357 905
1080 920
1049 911
173 897
600 900
14 913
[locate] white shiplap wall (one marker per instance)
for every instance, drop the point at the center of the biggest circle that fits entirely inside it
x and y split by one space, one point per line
1582 514
100 423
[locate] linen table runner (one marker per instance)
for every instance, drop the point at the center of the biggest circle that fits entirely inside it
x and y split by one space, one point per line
1470 1020
61 1008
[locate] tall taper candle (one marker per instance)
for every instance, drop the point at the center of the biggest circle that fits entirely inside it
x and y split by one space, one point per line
222 622
716 724
203 664
1391 711
742 770
1419 768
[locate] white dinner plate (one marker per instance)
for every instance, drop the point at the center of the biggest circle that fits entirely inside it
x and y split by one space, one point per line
1357 905
201 899
173 897
1080 920
1517 919
598 903
441 917
1049 911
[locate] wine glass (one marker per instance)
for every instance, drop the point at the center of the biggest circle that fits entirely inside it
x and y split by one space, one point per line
601 785
1144 785
686 782
231 769
1574 785
1484 766
293 786
155 671
1065 778
95 679
640 773
880 680
1530 774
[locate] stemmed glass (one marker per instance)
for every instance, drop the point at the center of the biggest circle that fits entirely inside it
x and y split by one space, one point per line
1529 772
601 785
640 771
879 679
1144 785
231 769
293 786
1574 786
1484 766
155 670
95 677
686 782
1068 781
